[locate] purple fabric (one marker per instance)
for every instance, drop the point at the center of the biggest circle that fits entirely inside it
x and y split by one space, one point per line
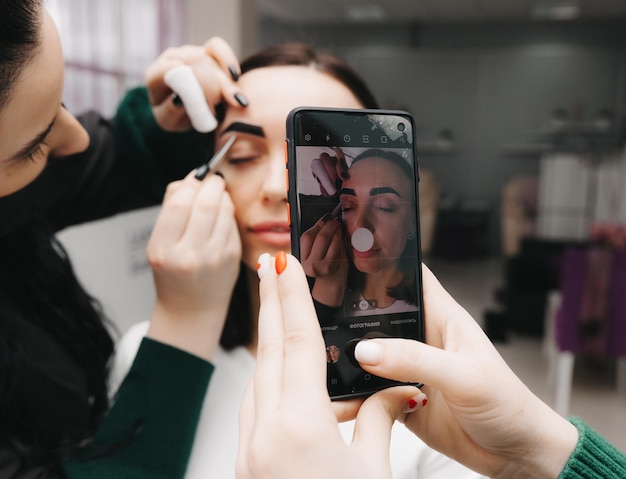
567 321
617 327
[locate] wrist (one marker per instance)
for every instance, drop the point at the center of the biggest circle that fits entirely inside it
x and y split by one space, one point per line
194 331
549 442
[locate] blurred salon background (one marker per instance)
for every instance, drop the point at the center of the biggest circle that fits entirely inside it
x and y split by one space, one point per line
520 107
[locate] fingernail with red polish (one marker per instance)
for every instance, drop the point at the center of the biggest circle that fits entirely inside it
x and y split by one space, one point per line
280 262
416 402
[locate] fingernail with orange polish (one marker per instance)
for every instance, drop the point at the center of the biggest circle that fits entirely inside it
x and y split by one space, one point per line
281 262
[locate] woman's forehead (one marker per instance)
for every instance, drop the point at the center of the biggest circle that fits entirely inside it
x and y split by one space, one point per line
37 96
273 92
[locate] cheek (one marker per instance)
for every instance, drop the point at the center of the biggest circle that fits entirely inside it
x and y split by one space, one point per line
241 190
16 176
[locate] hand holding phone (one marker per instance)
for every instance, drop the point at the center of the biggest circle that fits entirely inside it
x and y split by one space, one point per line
354 219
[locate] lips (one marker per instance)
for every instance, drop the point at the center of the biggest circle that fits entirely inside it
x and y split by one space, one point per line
273 233
365 254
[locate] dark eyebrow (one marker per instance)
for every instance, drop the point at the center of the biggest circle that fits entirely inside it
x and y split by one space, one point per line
382 190
245 128
373 192
28 149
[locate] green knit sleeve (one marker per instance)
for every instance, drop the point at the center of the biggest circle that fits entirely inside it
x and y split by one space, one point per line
594 457
157 157
148 433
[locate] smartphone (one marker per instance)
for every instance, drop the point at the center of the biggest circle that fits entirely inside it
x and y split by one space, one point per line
354 215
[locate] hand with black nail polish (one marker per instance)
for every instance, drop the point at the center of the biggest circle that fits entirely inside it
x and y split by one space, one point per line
216 69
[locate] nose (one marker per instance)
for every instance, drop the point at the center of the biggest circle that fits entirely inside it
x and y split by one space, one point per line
69 135
275 182
362 219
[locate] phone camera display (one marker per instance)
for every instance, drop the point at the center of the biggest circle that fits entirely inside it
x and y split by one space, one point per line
357 234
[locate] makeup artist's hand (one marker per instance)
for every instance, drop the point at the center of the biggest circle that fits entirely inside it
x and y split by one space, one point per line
195 253
329 171
216 68
479 412
323 254
287 426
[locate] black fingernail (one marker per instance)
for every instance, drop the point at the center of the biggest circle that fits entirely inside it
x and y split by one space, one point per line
177 100
242 100
220 112
233 73
345 175
201 172
219 173
326 217
343 163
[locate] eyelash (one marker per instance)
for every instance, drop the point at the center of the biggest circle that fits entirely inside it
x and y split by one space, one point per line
241 161
32 156
385 209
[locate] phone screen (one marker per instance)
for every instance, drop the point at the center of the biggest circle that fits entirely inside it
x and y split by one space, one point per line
353 198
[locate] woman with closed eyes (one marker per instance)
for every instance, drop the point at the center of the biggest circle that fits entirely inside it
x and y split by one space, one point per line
378 216
271 84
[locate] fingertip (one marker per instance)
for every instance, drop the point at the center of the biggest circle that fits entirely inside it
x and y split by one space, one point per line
368 352
280 262
177 100
241 99
416 402
233 72
264 265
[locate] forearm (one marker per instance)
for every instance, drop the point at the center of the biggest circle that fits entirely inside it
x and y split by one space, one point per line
546 439
149 431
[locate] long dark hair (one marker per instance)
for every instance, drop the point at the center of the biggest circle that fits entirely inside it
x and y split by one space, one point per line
20 21
40 283
238 330
36 274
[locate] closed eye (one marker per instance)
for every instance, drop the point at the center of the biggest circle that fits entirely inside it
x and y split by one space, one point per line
35 153
241 160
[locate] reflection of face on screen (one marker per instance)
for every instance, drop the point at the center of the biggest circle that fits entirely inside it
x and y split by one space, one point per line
378 212
332 353
377 207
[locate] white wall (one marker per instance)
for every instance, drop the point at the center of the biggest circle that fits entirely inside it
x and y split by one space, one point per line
109 257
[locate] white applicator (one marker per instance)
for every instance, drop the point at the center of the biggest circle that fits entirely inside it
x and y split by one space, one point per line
184 83
319 172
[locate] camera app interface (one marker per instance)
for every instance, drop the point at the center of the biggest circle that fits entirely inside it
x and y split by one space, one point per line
359 237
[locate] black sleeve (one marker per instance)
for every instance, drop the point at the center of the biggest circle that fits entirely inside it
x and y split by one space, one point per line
12 466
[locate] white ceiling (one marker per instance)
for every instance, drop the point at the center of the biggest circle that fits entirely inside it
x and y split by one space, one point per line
427 11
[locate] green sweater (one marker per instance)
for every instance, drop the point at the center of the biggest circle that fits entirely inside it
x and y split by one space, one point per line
594 457
156 156
149 431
